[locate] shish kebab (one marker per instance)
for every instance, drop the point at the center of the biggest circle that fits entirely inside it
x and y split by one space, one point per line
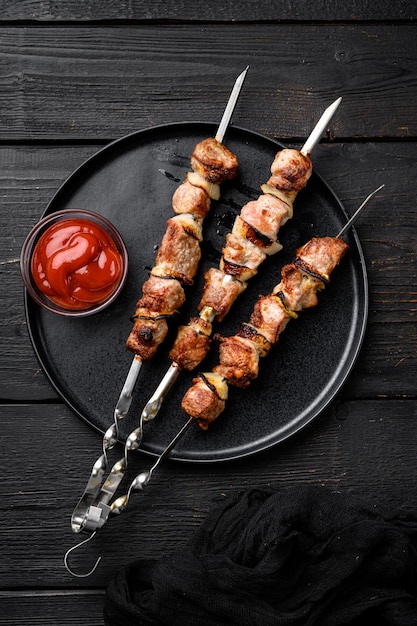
253 237
93 508
239 355
205 400
175 266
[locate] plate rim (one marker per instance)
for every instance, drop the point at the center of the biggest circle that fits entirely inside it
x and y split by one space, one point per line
360 329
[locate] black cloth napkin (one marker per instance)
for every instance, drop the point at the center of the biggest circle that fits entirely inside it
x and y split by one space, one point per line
296 557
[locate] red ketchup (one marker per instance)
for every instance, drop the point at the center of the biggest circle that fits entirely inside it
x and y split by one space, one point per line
76 264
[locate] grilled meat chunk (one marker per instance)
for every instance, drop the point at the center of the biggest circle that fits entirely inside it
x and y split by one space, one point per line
269 317
220 291
321 255
241 258
247 331
290 171
162 295
213 161
146 335
267 215
192 344
179 254
239 360
188 198
297 289
206 399
243 229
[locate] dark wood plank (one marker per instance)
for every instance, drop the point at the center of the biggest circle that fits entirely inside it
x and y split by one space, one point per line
52 608
363 447
76 75
143 10
100 83
387 229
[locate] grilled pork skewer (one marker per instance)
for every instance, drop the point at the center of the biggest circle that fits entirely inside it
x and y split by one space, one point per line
239 355
253 237
93 509
300 282
163 293
179 254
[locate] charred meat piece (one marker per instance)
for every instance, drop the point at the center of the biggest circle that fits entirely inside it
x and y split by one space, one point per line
250 332
213 161
191 344
146 335
297 289
269 318
239 360
241 258
267 215
206 399
321 255
191 199
162 295
180 252
244 230
220 291
290 171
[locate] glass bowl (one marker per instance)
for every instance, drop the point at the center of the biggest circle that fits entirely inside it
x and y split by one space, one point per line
52 258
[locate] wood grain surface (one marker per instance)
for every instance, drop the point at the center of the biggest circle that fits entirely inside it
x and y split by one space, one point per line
77 75
89 83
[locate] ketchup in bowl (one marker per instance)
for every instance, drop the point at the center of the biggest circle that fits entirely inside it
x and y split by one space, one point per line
74 261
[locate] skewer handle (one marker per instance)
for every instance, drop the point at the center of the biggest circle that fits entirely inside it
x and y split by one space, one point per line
142 479
155 401
86 513
125 398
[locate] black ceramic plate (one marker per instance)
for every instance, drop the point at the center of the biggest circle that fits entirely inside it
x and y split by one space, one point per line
131 182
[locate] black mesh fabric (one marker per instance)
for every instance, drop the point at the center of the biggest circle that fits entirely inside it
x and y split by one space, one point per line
292 557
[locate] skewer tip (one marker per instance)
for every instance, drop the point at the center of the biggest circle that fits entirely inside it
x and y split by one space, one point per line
230 107
354 217
336 102
320 127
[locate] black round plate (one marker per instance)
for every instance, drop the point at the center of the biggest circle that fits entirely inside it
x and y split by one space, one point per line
131 182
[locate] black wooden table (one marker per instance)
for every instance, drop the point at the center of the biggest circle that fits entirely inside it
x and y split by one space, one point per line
78 75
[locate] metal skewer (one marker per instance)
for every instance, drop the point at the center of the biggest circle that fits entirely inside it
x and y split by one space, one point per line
230 106
320 127
142 479
354 217
89 512
155 402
